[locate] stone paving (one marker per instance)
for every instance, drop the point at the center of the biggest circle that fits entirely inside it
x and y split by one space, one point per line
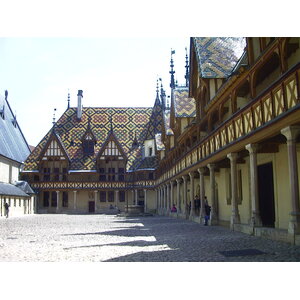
109 238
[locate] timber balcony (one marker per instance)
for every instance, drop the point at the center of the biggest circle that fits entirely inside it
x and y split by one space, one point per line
91 185
265 112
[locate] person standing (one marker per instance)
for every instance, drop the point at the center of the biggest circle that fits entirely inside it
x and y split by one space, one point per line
207 210
6 206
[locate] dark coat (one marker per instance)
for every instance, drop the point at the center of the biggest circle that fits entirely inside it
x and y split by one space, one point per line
207 209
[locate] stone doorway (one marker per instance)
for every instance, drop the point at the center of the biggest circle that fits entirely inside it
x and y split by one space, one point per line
91 206
266 194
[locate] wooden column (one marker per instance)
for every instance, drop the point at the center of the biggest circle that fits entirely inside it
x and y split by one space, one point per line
291 134
255 215
178 195
214 210
57 201
75 200
117 198
165 197
192 213
235 217
136 196
184 178
132 197
95 199
145 200
202 194
168 197
171 194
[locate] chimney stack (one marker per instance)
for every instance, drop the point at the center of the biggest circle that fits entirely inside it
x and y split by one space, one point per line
79 106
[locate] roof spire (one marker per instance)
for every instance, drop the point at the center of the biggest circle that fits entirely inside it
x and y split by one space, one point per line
187 74
172 72
68 98
157 93
162 94
53 122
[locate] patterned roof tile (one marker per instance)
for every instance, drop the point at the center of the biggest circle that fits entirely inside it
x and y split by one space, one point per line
217 56
126 122
184 106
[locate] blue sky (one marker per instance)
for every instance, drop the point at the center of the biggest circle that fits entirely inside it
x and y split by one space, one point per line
39 72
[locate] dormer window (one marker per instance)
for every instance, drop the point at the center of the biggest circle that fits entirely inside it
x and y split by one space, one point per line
149 148
150 151
88 144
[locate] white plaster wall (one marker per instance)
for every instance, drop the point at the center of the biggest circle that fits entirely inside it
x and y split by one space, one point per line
4 172
149 144
14 174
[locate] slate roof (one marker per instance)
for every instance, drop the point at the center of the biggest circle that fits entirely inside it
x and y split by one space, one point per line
184 106
150 162
12 142
217 56
24 186
125 123
7 189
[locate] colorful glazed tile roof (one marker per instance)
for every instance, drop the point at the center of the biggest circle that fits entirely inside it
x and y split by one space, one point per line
184 106
167 115
125 123
217 56
156 121
12 142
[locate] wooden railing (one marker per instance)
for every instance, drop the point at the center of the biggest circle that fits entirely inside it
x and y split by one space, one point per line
91 185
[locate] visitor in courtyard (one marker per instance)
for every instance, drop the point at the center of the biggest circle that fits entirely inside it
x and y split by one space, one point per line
189 207
6 206
197 204
173 209
207 210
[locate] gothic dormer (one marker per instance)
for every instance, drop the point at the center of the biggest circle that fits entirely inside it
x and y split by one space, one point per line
54 149
111 160
111 149
88 141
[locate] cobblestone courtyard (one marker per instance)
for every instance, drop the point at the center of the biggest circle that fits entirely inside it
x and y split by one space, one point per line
108 238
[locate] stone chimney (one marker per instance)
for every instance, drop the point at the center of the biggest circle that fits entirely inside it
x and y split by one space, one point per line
79 106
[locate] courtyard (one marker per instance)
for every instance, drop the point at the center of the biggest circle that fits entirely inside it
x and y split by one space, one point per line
109 238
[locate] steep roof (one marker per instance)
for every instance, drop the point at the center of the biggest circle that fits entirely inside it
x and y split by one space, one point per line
217 56
156 121
124 122
184 105
147 163
24 186
12 142
7 189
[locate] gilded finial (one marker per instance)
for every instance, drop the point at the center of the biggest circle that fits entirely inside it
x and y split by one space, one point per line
187 75
172 72
68 98
53 122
